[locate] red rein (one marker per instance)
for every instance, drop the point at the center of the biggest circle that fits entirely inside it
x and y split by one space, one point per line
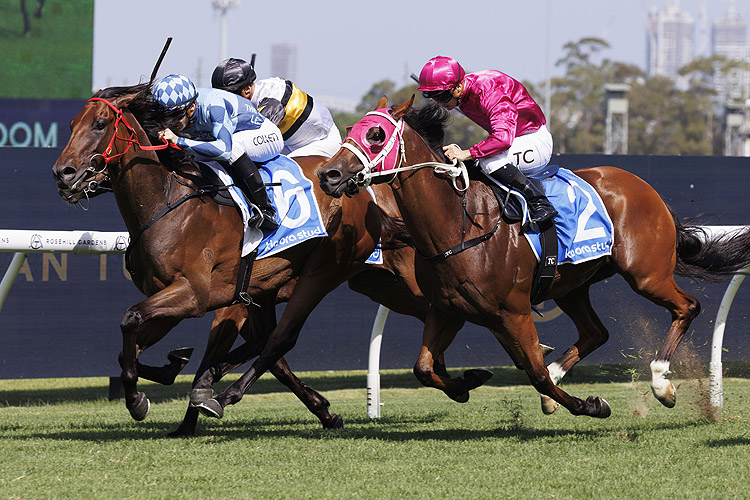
133 139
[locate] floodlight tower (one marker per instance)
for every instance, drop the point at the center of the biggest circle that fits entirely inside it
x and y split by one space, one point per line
223 6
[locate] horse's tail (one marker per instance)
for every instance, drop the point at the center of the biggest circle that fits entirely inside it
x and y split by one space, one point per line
393 232
701 256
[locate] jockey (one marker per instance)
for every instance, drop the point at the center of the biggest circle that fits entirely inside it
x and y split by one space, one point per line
519 144
226 128
306 125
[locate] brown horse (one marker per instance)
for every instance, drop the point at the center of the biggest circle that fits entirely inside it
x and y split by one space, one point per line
490 284
187 261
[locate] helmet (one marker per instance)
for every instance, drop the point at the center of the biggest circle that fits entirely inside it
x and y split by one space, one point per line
233 75
440 73
175 91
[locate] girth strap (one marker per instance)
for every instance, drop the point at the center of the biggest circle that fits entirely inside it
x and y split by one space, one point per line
243 280
547 267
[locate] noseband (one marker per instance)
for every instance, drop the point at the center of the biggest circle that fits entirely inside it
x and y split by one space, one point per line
383 162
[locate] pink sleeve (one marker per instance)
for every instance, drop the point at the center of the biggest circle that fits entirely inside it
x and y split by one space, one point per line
503 116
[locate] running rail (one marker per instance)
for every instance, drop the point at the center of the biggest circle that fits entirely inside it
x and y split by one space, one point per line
22 242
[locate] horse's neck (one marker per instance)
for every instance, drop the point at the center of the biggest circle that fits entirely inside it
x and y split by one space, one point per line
430 208
141 185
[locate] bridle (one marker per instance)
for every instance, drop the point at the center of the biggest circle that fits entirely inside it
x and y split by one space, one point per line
94 177
384 163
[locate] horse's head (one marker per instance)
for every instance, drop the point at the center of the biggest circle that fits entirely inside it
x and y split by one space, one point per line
80 170
373 146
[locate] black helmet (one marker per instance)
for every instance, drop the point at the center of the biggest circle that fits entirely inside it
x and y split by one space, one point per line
233 75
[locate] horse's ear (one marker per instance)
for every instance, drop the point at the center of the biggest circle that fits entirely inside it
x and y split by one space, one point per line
382 103
123 101
402 109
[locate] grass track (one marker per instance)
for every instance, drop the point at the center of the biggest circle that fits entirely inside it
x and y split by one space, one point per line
61 438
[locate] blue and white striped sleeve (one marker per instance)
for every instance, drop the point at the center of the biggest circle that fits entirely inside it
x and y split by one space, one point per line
221 147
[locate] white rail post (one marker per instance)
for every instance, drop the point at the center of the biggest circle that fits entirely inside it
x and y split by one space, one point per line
373 364
10 276
716 377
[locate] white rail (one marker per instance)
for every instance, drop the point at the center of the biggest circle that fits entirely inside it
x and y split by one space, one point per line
22 242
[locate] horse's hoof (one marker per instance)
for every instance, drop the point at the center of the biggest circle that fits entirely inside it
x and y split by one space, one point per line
335 422
139 409
181 355
601 407
476 377
549 405
461 398
546 349
211 408
669 396
197 396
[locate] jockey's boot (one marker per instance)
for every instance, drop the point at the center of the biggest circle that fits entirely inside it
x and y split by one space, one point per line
246 170
540 209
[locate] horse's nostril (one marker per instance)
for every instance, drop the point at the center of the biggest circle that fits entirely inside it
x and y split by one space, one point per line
333 175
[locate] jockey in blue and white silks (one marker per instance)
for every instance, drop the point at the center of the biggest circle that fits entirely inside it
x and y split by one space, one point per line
225 127
228 125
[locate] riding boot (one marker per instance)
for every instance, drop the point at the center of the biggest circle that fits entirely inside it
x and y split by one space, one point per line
252 185
540 209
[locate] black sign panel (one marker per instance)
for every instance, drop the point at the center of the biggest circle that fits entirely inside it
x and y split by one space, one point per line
62 316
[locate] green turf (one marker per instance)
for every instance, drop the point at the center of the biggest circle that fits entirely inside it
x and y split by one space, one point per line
54 59
61 438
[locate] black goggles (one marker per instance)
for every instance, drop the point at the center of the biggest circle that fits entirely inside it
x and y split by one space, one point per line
438 95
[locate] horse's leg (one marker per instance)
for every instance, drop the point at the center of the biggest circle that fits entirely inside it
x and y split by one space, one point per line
144 324
309 291
684 309
439 331
592 334
166 374
315 402
255 333
518 334
225 327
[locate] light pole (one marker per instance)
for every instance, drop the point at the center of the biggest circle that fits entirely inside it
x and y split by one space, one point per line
223 6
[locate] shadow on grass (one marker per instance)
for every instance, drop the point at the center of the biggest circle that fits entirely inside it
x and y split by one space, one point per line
723 443
399 431
504 376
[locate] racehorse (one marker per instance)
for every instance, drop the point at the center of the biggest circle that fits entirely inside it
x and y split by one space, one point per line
186 262
490 284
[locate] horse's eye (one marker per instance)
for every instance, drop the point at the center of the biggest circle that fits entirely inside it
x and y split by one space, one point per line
100 123
375 135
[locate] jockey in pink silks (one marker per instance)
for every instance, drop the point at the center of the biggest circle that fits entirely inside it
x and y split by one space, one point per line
519 144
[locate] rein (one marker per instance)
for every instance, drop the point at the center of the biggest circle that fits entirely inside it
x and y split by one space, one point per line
456 169
132 139
364 177
93 171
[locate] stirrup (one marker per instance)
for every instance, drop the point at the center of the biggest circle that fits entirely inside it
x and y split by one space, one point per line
269 220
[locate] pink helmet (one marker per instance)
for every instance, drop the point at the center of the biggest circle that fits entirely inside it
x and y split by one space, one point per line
440 73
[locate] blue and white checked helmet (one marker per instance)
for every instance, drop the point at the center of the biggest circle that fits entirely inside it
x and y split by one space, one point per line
175 91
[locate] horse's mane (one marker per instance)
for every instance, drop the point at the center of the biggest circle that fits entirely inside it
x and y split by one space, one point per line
153 118
430 122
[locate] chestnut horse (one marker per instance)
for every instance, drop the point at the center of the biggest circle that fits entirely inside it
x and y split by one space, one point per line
490 284
187 261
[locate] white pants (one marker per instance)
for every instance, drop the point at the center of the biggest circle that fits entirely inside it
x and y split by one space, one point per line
530 153
323 147
260 145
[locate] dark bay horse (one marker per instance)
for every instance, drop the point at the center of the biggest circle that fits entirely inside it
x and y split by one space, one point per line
186 262
490 284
